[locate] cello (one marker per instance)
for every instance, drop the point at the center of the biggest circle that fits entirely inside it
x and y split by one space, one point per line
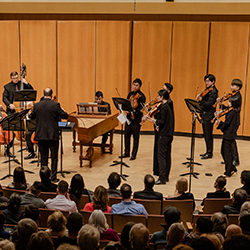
5 135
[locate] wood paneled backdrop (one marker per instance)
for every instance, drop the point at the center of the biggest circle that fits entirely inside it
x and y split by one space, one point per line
77 58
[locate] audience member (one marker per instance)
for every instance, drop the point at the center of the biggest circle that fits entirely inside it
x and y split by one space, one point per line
220 223
245 206
180 192
74 224
62 201
98 219
32 212
232 230
239 197
244 222
88 238
56 224
238 242
202 243
66 246
3 234
139 237
25 228
245 180
214 239
3 200
6 245
174 235
113 246
40 241
45 174
31 197
100 200
13 212
114 181
171 215
127 206
124 238
19 180
148 192
182 247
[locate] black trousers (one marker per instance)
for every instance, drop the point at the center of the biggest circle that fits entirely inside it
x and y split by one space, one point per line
132 129
30 145
155 163
44 147
164 156
226 152
235 151
208 136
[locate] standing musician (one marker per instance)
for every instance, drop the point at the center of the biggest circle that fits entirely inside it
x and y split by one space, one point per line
99 100
47 114
206 100
137 100
8 98
165 126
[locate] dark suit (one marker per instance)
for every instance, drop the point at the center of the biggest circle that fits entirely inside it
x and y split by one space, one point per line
47 113
148 194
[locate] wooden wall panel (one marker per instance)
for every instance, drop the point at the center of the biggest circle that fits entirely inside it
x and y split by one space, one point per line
9 51
38 52
151 57
189 63
76 62
228 56
113 53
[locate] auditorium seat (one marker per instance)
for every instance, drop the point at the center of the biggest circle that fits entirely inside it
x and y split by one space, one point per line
114 200
233 219
213 205
152 206
47 195
7 192
83 201
154 222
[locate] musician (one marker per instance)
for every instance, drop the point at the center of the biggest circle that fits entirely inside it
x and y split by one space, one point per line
137 99
8 98
47 114
99 100
206 102
229 129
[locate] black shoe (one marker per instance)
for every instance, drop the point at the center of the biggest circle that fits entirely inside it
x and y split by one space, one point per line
124 156
55 180
159 182
30 156
9 154
207 156
236 163
202 155
132 158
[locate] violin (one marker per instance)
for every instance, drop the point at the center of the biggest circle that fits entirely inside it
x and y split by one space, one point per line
222 113
152 112
224 98
150 104
204 92
134 100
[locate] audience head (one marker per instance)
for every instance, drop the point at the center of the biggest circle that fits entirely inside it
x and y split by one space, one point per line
220 222
244 221
182 185
32 212
182 247
204 225
100 198
238 242
19 178
88 237
2 219
45 173
149 181
220 182
25 228
124 239
40 241
175 234
202 243
74 222
76 186
245 177
57 221
139 236
6 245
214 239
62 187
171 215
98 219
14 202
113 246
126 191
239 196
245 206
232 230
114 180
36 188
66 246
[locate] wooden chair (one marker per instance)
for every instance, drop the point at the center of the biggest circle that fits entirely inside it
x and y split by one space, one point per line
7 192
184 206
213 205
152 206
154 223
233 219
119 221
45 213
114 200
47 195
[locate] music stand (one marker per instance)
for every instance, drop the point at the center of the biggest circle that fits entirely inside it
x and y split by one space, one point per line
194 108
122 104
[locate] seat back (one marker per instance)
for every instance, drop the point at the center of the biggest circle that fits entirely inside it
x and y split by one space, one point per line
213 205
7 192
154 223
47 195
152 206
233 219
83 201
196 216
114 200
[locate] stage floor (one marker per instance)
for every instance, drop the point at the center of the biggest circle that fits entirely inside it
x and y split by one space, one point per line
98 174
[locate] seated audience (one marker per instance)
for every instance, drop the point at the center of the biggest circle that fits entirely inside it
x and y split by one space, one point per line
171 215
180 192
244 222
61 201
19 180
74 224
238 242
245 180
6 245
45 174
124 238
100 200
88 238
56 224
66 246
31 197
232 230
202 243
127 206
239 197
139 237
40 241
114 181
214 239
182 247
13 212
98 219
3 234
174 235
77 189
245 206
148 192
32 212
220 223
3 200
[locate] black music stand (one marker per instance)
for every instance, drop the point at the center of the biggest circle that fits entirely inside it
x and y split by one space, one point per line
194 108
122 104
